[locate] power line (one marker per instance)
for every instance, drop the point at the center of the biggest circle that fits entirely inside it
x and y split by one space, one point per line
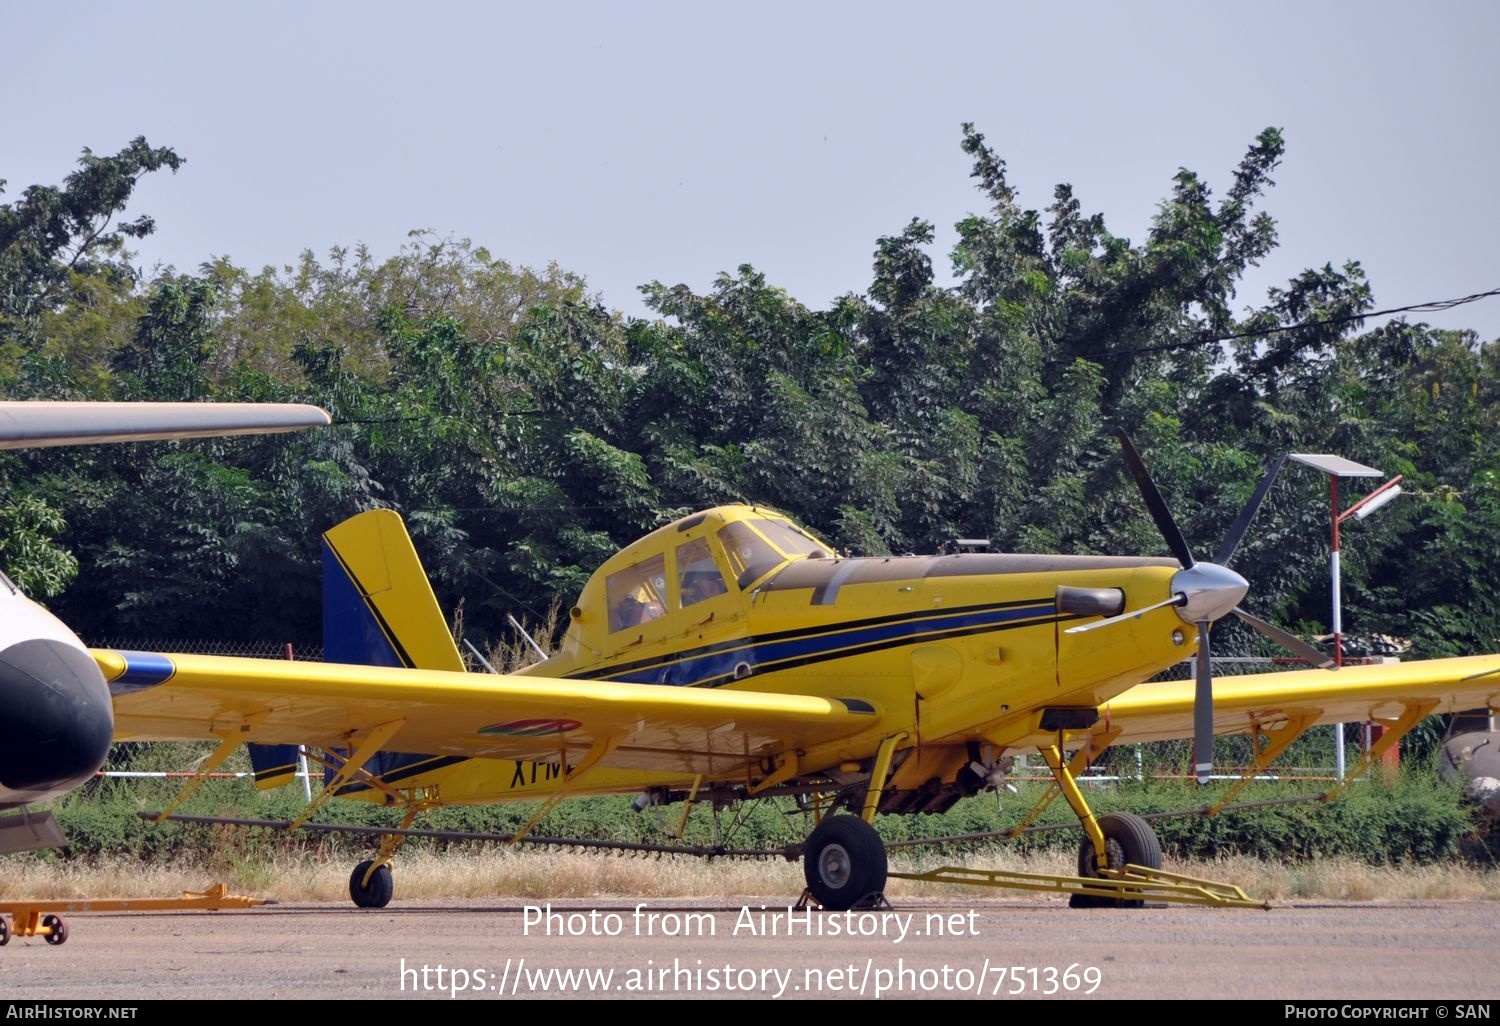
1429 307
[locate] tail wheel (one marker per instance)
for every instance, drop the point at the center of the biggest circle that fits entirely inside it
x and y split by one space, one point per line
844 862
1128 840
377 892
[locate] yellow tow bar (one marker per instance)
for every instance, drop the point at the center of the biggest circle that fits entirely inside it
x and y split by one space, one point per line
44 918
1132 883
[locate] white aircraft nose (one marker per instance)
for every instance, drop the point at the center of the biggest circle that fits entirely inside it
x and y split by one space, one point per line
57 719
1210 591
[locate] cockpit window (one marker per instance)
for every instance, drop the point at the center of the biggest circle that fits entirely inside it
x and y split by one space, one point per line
637 594
698 577
751 557
790 540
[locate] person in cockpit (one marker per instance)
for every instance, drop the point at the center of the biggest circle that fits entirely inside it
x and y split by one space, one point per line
698 585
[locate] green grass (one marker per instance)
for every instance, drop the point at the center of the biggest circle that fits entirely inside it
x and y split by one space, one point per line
1415 837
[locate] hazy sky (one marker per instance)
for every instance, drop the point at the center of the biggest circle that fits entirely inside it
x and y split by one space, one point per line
672 141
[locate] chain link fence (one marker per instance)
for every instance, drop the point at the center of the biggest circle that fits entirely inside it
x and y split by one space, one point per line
244 649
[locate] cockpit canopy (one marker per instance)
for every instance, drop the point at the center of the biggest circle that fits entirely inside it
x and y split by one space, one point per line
691 566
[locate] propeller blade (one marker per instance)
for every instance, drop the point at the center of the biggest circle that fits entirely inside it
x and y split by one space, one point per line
1315 656
1155 503
1175 600
1238 528
1203 710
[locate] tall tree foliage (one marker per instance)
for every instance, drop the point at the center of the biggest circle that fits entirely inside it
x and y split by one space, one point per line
62 256
55 235
525 431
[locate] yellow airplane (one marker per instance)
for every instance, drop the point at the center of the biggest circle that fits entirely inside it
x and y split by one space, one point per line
733 655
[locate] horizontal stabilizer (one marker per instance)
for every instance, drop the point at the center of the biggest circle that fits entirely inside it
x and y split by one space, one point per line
274 765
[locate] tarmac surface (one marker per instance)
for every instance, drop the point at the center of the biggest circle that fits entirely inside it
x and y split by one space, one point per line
757 947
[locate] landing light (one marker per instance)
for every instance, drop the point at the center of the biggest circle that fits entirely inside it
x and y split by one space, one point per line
1178 637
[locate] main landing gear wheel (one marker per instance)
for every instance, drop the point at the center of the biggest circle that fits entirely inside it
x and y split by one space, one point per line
57 930
844 862
376 893
1128 840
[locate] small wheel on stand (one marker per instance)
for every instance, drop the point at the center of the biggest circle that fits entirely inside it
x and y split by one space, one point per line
57 930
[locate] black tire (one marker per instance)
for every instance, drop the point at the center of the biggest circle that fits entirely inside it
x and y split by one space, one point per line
1128 840
377 893
4 931
57 929
844 862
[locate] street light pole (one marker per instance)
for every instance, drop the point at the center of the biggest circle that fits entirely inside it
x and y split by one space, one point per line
1361 509
1336 467
1337 619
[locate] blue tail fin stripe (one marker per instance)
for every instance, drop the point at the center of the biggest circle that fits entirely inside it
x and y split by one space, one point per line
352 632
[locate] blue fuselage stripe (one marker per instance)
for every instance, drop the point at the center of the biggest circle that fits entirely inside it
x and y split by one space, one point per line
714 667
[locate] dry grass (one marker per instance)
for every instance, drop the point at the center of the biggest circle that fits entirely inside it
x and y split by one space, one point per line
532 874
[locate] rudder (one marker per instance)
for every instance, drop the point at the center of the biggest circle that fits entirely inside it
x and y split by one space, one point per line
378 606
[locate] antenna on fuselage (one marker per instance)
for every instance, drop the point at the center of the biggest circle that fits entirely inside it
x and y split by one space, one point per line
530 641
953 546
482 660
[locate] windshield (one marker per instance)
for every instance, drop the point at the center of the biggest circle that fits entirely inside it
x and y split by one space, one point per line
791 540
751 557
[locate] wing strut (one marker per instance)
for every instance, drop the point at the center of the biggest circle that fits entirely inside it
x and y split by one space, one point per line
600 749
1412 714
374 741
229 740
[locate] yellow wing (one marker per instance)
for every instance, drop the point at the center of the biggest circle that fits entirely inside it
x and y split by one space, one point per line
1352 694
641 726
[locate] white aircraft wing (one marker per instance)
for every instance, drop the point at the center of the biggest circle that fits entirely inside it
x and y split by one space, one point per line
38 423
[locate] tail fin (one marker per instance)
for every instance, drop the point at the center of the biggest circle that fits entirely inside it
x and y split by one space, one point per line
378 607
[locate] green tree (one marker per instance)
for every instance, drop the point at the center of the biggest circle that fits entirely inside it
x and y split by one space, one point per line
55 235
28 548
